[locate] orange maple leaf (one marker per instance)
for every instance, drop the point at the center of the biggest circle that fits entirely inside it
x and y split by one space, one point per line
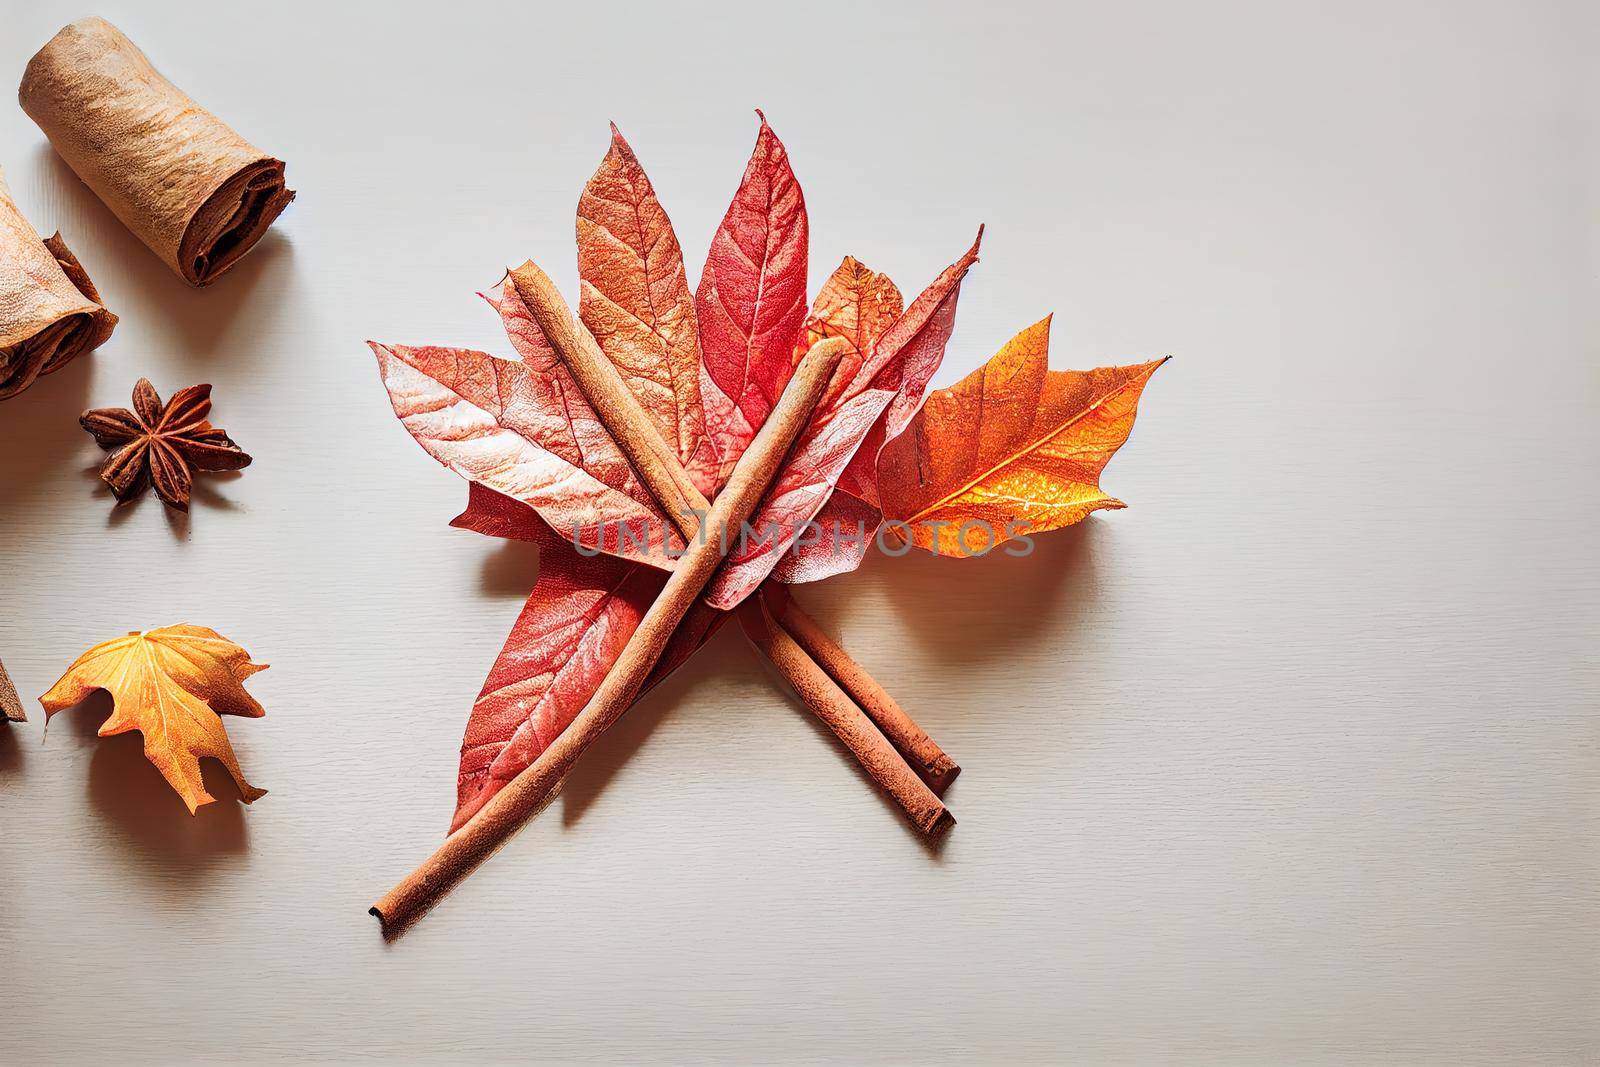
169 684
1012 448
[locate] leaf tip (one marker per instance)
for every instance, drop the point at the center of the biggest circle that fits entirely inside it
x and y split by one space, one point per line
1153 366
619 143
971 255
497 288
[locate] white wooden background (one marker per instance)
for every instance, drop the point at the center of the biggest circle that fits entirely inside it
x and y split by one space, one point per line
1294 759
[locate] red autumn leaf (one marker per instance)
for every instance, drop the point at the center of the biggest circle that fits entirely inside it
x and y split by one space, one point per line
859 305
752 299
903 359
836 542
527 433
570 632
922 342
497 515
568 635
635 300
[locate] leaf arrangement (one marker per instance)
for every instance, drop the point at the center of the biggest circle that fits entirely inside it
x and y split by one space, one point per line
617 440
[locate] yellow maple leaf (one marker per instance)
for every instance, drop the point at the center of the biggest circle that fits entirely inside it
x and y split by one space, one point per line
1013 448
170 684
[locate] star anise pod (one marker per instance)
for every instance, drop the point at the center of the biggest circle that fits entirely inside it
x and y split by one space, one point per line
161 445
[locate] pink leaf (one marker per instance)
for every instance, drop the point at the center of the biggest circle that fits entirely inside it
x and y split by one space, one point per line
907 354
531 436
844 531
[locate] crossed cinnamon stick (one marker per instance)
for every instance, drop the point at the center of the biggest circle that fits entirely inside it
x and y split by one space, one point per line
531 789
837 689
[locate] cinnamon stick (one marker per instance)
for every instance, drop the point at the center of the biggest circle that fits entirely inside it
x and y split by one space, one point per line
658 465
497 820
847 721
50 312
652 457
10 704
930 762
194 191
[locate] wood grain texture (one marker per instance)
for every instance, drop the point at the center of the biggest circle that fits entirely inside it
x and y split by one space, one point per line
1294 759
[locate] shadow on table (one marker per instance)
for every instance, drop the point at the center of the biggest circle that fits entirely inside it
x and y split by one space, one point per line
782 691
202 497
617 745
11 758
967 611
510 570
144 816
39 431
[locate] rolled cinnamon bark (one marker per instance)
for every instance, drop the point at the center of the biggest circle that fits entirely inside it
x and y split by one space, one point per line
50 312
199 195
